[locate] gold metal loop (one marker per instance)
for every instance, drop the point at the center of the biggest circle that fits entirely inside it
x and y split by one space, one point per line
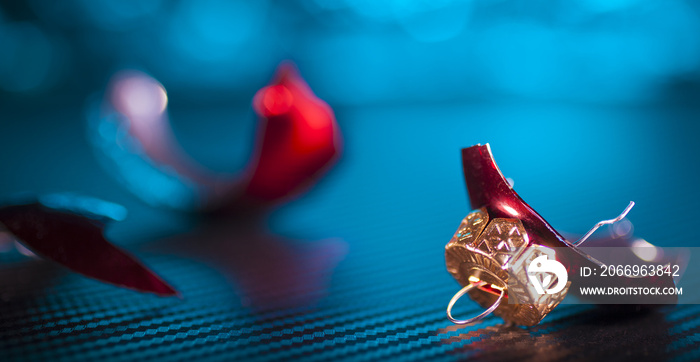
481 316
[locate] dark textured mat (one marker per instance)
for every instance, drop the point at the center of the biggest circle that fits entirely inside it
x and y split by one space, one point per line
355 270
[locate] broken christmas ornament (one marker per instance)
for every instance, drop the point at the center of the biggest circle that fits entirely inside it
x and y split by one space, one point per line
298 139
500 244
69 230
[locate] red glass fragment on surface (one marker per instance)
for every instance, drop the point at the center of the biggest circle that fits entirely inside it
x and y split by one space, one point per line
488 188
78 243
298 140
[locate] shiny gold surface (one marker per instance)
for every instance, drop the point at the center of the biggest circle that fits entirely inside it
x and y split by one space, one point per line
495 254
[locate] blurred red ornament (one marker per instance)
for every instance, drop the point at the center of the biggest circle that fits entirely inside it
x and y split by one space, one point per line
299 138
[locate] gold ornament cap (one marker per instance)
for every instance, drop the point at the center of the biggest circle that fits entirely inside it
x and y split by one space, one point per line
489 258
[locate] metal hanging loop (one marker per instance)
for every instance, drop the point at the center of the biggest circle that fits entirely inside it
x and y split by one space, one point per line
481 316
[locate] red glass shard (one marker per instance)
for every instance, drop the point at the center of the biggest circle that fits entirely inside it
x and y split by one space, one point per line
77 242
298 140
488 188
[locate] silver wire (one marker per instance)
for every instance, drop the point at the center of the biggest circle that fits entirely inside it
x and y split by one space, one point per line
605 222
481 316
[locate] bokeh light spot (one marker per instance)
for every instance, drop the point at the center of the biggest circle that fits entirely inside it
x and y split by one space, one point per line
138 95
274 100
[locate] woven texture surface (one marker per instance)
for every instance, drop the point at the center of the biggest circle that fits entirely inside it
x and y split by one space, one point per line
355 270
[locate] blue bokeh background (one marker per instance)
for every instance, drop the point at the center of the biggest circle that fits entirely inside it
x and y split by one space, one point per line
363 52
587 104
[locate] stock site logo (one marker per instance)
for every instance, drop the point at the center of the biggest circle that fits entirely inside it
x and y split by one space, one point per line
543 272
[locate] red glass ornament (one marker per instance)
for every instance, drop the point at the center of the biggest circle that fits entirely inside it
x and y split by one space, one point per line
77 242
